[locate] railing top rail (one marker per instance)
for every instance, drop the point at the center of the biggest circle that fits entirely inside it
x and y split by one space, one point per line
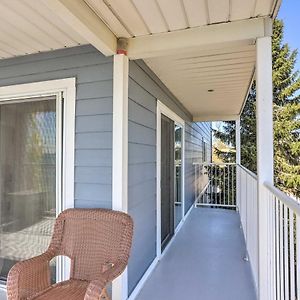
248 171
284 198
213 164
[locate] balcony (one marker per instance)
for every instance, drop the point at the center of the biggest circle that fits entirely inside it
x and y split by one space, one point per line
205 261
215 255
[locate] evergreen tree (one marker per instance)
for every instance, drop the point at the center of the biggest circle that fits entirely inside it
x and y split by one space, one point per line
286 102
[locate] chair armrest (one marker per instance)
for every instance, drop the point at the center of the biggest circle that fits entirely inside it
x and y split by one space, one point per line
94 289
115 271
29 277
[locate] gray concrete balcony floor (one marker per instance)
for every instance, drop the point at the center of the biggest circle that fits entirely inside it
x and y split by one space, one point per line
2 295
205 261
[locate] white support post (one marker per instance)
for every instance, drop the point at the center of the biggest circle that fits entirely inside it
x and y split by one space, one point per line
264 119
238 161
120 154
238 140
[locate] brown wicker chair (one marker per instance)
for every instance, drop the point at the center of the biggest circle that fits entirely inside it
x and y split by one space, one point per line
97 241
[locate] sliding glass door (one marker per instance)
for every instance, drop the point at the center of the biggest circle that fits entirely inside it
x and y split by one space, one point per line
170 167
167 180
28 178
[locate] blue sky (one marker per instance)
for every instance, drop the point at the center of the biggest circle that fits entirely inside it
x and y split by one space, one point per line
290 12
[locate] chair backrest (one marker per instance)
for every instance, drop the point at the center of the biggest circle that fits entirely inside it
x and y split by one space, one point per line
93 239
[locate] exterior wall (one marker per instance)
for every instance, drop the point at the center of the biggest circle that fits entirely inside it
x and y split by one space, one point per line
93 140
144 90
197 136
142 178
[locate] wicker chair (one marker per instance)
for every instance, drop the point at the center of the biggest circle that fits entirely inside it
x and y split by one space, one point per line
97 241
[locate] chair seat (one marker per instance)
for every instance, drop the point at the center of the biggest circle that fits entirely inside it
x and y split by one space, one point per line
66 290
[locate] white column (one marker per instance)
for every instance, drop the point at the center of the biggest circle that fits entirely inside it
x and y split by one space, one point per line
120 154
264 119
238 140
238 161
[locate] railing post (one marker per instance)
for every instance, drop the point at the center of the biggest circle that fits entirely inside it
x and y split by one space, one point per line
195 184
264 119
120 154
238 161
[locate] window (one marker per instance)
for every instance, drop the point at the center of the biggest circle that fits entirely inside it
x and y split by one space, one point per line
36 167
204 151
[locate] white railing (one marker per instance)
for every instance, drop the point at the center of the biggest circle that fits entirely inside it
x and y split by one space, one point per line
285 239
230 186
215 185
283 235
247 207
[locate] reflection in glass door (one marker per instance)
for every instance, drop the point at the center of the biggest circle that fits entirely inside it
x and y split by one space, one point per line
28 166
178 175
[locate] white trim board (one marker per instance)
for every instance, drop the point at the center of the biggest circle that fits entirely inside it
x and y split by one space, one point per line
143 280
79 16
65 92
215 36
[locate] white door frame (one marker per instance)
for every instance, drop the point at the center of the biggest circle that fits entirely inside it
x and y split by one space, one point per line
65 90
163 109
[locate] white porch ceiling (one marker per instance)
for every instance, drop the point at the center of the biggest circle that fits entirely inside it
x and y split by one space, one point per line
130 18
190 73
192 45
29 26
211 84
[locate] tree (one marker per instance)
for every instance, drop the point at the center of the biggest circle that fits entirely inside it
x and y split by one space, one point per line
286 102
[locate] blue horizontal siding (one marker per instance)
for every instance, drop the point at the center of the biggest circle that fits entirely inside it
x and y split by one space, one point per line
93 139
141 180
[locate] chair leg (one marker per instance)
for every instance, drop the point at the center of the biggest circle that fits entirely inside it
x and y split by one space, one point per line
104 295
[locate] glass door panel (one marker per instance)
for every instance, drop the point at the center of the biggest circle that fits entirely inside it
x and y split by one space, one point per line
178 174
167 180
27 179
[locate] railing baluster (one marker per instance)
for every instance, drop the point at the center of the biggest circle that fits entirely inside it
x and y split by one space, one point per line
219 186
286 253
210 183
273 243
281 237
215 185
231 184
224 185
277 245
228 184
233 198
298 255
292 255
195 183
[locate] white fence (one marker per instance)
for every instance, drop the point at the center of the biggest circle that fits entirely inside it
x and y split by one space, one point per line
285 263
233 186
283 238
247 207
215 185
